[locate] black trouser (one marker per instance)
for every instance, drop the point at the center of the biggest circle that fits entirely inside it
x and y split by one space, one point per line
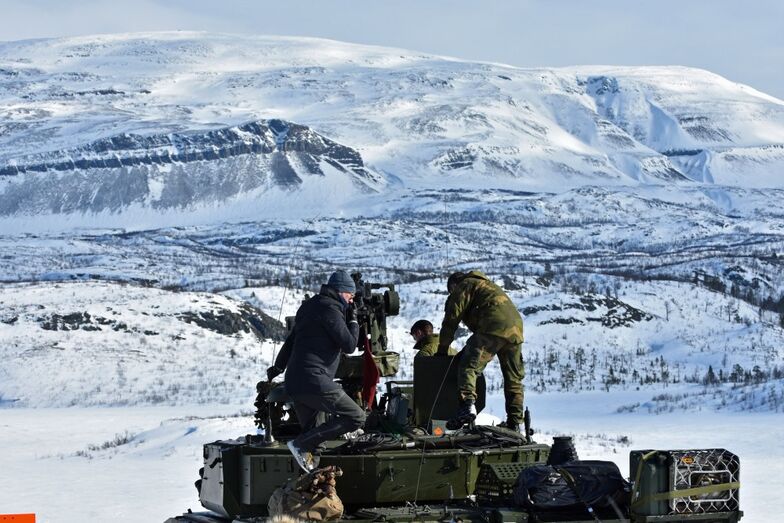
345 416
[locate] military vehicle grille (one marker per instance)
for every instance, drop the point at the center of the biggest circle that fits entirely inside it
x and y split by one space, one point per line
496 481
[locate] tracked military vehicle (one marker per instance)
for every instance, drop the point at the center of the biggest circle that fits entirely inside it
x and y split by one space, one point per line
408 466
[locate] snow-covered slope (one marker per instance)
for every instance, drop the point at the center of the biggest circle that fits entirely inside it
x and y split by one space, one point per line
102 343
418 119
262 128
94 343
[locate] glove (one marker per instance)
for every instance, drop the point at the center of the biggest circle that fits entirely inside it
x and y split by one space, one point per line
351 314
273 372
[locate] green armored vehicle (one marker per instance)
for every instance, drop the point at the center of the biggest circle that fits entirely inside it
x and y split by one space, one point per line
408 467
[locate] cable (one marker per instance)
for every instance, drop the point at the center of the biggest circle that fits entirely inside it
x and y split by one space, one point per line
446 216
371 442
443 380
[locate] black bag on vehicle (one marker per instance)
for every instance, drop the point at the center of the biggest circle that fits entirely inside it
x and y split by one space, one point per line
574 485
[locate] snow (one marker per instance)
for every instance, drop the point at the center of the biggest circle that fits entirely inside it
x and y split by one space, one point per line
51 470
135 347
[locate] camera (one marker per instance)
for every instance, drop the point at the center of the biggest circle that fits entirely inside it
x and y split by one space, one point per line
373 309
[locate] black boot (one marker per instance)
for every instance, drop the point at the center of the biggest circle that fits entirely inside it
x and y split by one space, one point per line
465 414
510 425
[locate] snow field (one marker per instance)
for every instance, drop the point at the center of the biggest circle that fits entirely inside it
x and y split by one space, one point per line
54 457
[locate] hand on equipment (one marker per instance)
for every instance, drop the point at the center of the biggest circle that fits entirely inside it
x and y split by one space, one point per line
273 371
351 314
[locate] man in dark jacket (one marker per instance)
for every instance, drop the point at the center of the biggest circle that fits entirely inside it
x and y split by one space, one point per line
325 326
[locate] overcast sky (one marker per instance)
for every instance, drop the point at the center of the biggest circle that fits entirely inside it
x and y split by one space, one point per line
741 40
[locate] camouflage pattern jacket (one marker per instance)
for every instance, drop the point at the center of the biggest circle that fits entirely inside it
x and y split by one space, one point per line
428 346
484 308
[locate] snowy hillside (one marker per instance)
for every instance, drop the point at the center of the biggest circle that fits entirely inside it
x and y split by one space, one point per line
100 123
589 238
112 344
664 338
117 344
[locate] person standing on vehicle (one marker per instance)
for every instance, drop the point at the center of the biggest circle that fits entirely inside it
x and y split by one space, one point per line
497 329
325 326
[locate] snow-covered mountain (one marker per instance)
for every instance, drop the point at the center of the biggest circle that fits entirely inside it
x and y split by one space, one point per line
172 120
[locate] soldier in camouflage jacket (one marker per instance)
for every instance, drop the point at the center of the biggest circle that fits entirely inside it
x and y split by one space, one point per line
426 340
497 331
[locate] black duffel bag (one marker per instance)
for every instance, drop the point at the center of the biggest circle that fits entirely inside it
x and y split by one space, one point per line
574 485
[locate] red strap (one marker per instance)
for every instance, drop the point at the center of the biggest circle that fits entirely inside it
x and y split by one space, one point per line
370 374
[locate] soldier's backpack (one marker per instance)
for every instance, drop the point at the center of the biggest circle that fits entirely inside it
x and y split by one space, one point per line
310 497
574 486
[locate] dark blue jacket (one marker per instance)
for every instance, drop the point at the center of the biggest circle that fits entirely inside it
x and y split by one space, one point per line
311 353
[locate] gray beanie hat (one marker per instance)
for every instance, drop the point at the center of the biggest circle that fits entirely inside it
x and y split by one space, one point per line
342 282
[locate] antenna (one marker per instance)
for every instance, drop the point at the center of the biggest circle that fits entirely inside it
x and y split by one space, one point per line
443 380
288 284
268 438
446 216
